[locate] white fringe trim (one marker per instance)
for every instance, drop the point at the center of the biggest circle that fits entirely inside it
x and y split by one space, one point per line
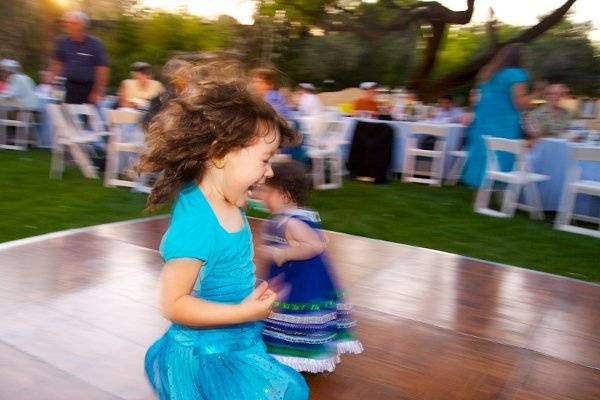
349 346
317 319
312 365
315 366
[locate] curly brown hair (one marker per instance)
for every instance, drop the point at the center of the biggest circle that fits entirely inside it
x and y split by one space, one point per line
210 114
289 177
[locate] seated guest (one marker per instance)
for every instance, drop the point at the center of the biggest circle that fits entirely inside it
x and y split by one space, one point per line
309 103
264 82
406 107
446 111
44 88
366 105
549 119
137 92
539 88
20 89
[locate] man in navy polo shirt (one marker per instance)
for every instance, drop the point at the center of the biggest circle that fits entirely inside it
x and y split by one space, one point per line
80 58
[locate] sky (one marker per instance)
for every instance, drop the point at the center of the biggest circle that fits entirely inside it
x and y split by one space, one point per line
515 12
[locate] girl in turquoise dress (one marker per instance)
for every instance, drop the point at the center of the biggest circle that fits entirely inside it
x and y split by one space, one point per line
502 95
211 142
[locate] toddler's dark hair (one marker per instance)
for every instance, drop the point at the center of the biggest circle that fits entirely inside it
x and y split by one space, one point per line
290 178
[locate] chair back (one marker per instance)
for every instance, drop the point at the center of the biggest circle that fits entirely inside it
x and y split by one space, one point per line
116 117
89 112
512 146
586 153
428 129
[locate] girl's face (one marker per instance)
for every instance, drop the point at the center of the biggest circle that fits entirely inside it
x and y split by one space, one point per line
244 169
274 199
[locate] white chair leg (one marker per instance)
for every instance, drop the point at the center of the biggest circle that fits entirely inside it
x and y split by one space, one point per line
318 171
409 160
111 168
455 171
484 194
57 163
437 170
533 197
511 196
336 172
565 211
21 137
83 161
3 138
23 133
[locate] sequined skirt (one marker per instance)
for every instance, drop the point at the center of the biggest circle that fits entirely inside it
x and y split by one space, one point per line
219 364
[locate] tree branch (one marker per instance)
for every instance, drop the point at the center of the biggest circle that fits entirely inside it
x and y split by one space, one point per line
438 17
429 11
468 71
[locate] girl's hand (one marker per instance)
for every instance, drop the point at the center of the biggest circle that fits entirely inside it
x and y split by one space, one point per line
259 303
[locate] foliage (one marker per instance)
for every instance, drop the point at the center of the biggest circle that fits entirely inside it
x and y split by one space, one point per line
156 37
565 54
283 36
23 26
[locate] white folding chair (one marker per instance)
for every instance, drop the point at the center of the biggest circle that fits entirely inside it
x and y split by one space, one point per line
66 137
119 121
412 151
574 186
23 124
455 171
516 180
323 144
334 133
327 169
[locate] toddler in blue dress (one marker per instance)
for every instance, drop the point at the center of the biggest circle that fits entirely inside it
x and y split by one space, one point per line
312 325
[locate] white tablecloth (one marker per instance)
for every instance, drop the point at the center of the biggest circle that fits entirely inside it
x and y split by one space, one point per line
552 157
401 132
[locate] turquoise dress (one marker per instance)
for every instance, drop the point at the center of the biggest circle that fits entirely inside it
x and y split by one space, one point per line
495 115
222 363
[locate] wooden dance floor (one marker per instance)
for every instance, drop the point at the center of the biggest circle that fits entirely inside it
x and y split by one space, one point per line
78 310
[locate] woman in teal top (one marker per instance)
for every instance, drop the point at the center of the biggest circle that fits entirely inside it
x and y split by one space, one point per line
227 362
502 94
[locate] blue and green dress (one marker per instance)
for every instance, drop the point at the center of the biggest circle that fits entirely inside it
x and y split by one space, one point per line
311 327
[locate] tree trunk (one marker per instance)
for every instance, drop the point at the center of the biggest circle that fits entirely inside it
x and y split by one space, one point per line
420 76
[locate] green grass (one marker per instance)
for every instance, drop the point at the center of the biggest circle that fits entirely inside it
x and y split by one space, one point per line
32 204
437 218
443 219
